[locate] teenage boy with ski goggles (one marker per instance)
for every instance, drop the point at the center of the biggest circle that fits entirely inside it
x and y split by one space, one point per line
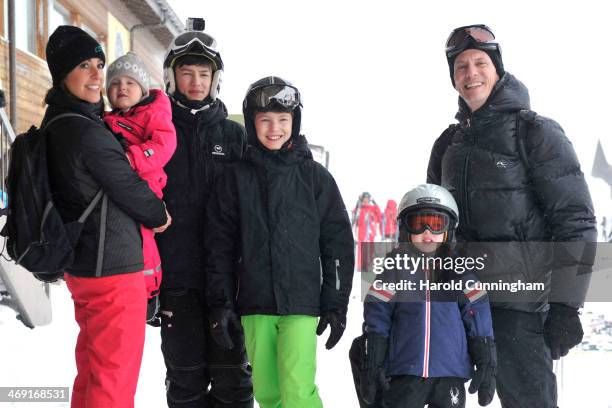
198 371
281 250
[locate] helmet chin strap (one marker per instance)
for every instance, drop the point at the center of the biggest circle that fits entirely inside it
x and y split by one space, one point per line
215 85
193 106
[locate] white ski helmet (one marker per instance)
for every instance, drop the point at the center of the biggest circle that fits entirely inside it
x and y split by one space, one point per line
193 42
431 196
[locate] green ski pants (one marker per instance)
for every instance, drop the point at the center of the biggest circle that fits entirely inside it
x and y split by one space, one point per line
283 353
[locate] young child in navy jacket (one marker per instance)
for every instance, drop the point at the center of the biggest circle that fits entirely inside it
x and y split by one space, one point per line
423 337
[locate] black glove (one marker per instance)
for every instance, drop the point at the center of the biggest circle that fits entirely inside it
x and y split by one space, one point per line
373 376
562 329
337 324
220 318
484 357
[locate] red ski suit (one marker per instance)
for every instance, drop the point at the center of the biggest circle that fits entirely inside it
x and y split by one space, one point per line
367 222
390 220
367 225
147 127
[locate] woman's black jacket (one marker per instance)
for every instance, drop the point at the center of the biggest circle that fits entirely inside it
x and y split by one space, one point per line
83 157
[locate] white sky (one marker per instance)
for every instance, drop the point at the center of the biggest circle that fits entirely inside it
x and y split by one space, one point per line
375 81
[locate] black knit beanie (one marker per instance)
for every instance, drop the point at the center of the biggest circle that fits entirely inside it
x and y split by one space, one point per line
68 46
495 56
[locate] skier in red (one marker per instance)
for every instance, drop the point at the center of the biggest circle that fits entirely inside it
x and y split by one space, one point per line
389 225
367 224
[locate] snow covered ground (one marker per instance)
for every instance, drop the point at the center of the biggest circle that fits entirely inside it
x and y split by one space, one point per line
44 357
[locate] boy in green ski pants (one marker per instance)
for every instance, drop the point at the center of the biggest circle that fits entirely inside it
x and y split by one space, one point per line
280 251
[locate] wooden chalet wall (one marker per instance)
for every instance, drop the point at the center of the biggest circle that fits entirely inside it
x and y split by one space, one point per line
33 81
148 48
33 78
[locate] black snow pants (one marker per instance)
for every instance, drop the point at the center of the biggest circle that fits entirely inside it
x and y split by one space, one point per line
525 377
407 391
194 362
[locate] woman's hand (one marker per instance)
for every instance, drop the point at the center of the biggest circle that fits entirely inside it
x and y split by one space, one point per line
166 225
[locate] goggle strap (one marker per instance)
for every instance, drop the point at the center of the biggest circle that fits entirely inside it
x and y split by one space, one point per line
452 51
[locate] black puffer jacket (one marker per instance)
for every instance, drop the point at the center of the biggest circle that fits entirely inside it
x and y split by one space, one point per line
84 156
206 140
503 199
280 216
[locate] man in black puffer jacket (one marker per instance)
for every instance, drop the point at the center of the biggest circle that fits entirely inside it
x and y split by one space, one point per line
206 141
514 188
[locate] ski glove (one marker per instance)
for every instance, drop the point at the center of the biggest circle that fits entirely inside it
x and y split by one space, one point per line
484 357
373 377
337 324
562 329
220 319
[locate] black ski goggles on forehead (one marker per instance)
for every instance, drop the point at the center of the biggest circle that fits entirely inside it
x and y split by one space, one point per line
435 221
480 34
284 95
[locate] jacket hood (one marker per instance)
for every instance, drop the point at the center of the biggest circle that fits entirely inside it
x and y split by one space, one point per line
508 95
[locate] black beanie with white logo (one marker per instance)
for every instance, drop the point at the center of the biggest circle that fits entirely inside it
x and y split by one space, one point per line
67 47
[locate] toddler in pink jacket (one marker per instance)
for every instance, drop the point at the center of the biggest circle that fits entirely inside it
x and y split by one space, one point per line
142 120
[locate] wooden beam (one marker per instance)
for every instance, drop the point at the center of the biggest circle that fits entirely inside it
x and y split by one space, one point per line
3 23
42 26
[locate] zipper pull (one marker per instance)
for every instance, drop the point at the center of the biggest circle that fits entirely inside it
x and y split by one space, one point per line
337 276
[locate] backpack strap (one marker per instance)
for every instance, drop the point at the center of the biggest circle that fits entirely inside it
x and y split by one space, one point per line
91 206
100 192
64 115
448 135
434 168
447 138
99 195
100 256
523 118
